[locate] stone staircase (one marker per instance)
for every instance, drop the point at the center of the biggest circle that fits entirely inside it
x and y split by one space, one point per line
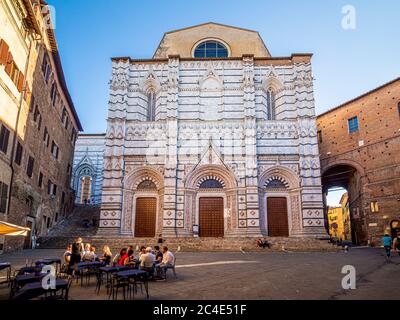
198 244
69 229
73 226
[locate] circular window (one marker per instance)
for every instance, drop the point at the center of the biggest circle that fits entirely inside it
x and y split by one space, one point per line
211 49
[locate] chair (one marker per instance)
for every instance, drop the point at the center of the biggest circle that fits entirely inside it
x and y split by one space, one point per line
118 283
99 281
172 268
139 281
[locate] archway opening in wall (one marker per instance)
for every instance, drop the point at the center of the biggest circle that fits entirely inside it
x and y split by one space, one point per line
343 204
278 222
211 217
145 217
86 189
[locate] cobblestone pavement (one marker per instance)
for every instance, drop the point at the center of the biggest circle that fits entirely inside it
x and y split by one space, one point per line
238 276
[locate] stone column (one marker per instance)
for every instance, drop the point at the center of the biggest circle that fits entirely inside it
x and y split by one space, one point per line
112 195
250 128
310 173
170 179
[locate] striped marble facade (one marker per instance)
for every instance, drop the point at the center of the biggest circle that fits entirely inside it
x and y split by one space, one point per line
212 120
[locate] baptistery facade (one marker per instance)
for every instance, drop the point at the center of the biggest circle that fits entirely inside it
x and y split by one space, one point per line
212 137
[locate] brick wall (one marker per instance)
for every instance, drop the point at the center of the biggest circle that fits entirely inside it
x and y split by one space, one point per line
374 151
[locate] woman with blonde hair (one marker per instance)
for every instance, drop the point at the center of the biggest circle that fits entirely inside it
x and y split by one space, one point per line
107 255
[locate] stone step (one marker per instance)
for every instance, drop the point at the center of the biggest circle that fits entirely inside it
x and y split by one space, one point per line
196 244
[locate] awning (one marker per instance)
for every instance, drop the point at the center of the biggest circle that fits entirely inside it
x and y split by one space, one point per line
8 229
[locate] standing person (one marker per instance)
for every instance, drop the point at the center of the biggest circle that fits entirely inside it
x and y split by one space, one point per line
77 249
387 243
396 243
160 239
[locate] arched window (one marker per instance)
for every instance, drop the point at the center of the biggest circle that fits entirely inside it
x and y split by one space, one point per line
276 183
211 49
211 184
271 105
151 106
147 185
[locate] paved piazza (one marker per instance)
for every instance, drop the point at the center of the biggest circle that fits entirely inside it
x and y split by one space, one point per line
258 276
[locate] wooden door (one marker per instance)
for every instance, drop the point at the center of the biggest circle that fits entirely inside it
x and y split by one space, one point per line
278 225
145 220
211 216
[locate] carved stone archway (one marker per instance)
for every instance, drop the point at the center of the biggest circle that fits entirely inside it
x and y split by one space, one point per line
227 189
133 188
281 182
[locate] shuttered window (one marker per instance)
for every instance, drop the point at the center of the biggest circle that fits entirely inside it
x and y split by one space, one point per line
29 169
3 52
4 137
18 154
3 197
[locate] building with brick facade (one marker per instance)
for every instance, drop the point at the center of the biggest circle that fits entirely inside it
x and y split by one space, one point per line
212 137
87 172
39 124
360 151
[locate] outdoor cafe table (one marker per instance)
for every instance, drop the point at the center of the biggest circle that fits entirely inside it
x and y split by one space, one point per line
81 266
24 279
26 270
34 290
135 274
46 262
86 265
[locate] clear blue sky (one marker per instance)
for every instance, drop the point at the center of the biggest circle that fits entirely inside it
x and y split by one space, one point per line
346 63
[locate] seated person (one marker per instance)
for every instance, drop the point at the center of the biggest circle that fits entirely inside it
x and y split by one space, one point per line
265 243
130 259
67 255
147 259
107 256
142 251
122 257
168 261
158 254
89 255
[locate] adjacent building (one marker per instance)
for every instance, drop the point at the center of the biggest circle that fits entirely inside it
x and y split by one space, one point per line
212 137
38 123
360 151
87 173
339 220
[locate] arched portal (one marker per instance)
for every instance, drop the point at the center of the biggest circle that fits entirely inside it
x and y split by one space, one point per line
280 203
344 214
211 197
86 189
143 197
84 183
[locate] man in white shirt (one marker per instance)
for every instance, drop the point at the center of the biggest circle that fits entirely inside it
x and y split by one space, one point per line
147 259
168 261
